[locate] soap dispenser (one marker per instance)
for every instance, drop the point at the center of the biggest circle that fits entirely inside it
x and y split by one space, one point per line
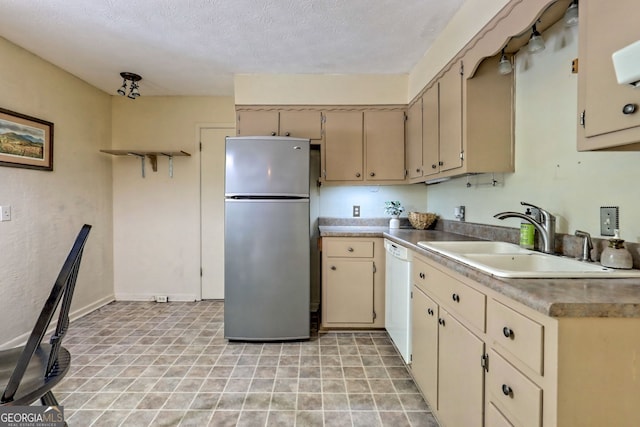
615 255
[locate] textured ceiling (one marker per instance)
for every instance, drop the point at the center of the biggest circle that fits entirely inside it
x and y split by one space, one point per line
194 47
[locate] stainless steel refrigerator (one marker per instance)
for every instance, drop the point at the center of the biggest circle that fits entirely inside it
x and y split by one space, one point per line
266 247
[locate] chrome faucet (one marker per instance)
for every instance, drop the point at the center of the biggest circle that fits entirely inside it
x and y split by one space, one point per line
587 245
546 225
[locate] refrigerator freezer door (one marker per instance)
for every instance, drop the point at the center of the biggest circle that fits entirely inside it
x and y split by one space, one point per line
267 166
266 270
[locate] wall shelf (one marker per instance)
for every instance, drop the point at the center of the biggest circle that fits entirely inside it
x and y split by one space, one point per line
151 155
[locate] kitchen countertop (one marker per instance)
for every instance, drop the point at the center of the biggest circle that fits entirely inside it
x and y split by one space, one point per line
552 297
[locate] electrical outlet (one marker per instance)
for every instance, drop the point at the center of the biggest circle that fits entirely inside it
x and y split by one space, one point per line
609 220
161 298
5 213
356 211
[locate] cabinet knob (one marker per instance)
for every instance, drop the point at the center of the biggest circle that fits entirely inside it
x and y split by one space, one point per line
273 134
372 174
287 134
357 174
629 109
506 390
333 267
418 170
430 312
350 249
434 166
441 321
507 332
421 275
455 297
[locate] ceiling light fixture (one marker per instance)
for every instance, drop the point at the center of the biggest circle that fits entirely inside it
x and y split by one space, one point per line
536 42
571 15
504 66
133 78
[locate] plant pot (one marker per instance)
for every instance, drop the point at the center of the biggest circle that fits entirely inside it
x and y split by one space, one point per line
394 223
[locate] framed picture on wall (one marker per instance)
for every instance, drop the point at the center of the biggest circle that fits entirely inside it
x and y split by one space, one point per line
25 142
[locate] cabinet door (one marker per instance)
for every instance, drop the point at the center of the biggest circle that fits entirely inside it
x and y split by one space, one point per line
430 131
414 140
343 146
384 145
424 338
349 291
460 376
301 124
605 29
257 123
451 118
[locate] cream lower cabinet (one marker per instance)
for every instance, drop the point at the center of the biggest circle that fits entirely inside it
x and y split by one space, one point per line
446 356
352 283
492 361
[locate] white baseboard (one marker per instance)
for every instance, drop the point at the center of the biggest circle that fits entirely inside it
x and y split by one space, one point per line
151 297
74 315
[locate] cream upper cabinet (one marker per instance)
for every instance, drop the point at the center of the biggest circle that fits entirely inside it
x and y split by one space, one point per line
298 124
363 146
257 123
352 282
414 141
343 150
605 28
384 145
431 131
450 118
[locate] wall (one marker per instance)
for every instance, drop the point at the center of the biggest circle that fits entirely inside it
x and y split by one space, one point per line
549 171
466 23
338 201
328 89
157 219
48 208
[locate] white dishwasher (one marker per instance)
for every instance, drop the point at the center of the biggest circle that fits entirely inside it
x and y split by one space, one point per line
398 297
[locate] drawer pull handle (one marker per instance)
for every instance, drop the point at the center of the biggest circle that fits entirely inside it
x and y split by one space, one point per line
333 267
287 134
506 390
629 109
456 297
430 312
441 321
422 275
350 249
273 134
507 332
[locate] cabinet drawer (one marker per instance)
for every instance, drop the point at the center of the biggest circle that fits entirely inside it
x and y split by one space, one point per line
513 393
517 334
466 302
349 249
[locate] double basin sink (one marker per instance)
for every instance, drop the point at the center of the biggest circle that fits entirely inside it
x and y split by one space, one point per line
504 259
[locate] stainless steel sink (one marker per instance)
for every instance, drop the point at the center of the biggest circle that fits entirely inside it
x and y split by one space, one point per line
503 259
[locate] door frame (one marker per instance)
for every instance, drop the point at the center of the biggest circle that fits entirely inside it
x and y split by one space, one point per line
198 132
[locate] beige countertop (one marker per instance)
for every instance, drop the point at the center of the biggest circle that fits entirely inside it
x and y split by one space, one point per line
552 297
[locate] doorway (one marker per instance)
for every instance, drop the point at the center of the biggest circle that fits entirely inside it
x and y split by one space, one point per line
212 163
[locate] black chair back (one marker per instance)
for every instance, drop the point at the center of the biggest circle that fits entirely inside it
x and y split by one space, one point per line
62 291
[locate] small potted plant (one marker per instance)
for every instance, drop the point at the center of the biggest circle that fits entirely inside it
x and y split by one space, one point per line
393 208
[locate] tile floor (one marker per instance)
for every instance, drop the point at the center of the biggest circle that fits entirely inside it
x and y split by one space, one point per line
148 364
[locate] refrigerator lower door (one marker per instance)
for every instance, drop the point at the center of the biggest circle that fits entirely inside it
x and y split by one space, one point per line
266 270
